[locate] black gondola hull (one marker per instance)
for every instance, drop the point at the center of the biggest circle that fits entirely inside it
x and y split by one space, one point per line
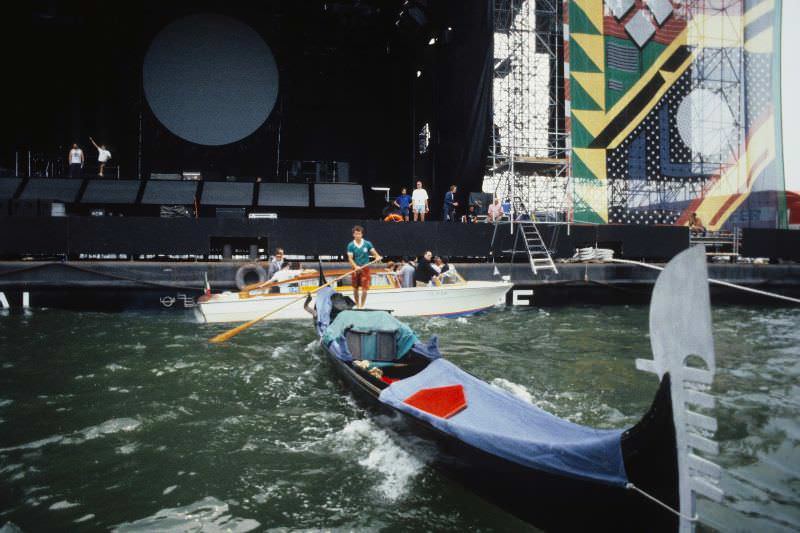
544 499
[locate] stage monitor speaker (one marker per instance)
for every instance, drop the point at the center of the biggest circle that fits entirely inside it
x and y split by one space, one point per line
342 171
111 192
169 192
231 212
8 186
58 189
338 195
224 193
481 201
165 176
283 195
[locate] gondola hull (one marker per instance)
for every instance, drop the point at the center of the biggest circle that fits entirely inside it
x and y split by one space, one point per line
546 500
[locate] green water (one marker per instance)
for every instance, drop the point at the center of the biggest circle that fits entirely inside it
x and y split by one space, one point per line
133 421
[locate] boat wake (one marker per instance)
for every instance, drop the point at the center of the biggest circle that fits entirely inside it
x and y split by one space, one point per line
394 467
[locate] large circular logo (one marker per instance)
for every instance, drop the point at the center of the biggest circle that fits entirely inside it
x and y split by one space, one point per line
210 79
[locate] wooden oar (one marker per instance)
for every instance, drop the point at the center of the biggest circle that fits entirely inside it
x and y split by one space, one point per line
222 337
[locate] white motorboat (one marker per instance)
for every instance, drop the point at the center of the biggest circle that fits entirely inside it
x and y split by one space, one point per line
449 296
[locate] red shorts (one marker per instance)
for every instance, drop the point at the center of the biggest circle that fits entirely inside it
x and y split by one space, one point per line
360 278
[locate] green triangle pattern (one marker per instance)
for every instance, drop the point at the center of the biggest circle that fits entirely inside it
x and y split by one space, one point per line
579 61
579 22
581 138
580 169
580 99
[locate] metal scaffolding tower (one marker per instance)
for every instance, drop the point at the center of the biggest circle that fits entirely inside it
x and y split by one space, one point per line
528 148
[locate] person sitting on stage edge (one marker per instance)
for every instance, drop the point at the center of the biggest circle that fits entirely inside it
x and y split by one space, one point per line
358 254
471 216
75 162
495 211
696 225
403 202
419 202
103 156
425 271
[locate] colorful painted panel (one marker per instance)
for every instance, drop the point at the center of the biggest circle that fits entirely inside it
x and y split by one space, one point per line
674 110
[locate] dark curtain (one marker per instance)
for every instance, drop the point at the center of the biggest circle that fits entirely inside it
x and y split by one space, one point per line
463 99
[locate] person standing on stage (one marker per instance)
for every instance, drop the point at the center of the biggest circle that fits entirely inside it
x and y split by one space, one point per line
75 159
103 156
419 202
403 202
450 204
358 254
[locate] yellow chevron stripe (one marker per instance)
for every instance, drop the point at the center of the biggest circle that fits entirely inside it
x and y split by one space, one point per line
761 43
593 10
757 10
591 120
594 84
592 45
670 78
594 159
760 153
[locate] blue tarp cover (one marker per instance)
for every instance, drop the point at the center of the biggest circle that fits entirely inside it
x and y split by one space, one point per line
499 423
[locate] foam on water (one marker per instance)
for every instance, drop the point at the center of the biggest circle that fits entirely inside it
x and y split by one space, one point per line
208 515
376 451
63 504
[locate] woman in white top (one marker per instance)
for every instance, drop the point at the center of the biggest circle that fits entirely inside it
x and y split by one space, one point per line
103 156
75 159
419 202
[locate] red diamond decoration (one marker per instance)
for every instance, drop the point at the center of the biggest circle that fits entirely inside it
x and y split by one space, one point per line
443 402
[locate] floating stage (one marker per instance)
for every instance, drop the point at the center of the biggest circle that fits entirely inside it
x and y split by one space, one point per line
167 260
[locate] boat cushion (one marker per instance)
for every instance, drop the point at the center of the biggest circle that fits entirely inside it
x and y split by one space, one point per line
501 424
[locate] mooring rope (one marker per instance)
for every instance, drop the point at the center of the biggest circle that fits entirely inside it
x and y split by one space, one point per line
715 281
631 486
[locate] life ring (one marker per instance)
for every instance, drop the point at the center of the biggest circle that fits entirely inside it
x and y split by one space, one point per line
245 274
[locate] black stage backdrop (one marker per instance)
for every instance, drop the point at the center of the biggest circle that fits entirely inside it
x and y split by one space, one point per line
348 88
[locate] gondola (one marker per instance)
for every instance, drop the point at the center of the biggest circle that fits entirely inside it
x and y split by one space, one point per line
550 472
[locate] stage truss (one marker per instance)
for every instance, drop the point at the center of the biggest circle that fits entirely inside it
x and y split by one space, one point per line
528 160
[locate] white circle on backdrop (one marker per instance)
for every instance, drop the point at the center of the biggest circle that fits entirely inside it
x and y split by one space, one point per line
705 122
210 79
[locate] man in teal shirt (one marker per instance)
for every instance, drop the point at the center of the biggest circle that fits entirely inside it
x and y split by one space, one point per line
358 254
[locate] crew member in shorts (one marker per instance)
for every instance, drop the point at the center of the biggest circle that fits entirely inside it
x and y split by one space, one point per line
358 254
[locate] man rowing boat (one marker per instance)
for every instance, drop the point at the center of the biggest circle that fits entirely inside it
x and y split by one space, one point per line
358 254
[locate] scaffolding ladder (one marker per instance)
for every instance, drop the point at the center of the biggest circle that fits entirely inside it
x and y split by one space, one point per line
538 253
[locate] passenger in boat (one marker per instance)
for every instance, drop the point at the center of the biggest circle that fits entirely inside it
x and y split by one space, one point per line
406 273
276 264
289 271
425 271
358 254
440 265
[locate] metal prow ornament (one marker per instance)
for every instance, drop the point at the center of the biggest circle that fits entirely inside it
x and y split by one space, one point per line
680 333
